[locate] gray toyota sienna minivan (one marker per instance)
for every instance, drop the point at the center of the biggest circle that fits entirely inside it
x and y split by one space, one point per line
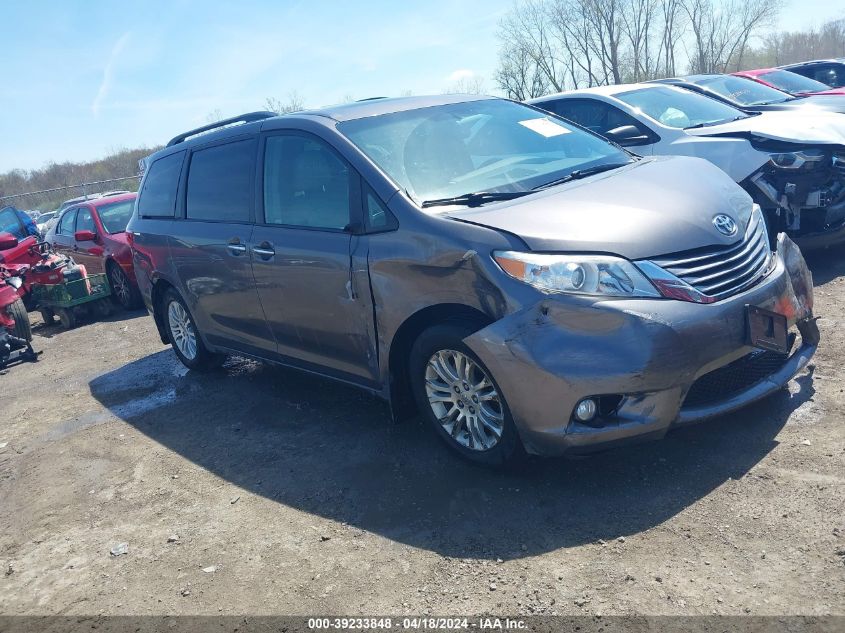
518 281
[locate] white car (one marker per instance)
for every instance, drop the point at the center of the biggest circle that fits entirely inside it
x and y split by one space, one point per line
45 221
792 164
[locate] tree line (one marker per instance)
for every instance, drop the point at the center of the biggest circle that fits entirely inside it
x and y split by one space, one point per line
555 45
69 176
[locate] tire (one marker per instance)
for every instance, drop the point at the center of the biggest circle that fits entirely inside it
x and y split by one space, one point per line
474 436
67 317
181 327
47 315
123 290
102 308
23 328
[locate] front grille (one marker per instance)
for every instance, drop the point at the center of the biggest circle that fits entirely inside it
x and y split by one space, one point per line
734 378
722 271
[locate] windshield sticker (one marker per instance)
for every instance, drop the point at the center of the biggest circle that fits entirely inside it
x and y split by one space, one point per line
546 127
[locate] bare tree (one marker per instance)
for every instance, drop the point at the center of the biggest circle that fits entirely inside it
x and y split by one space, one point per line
214 116
473 85
518 76
721 33
789 47
294 103
551 45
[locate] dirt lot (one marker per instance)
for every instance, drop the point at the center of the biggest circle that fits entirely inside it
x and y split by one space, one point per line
260 490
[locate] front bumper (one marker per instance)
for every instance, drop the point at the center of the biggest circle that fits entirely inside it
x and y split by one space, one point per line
548 357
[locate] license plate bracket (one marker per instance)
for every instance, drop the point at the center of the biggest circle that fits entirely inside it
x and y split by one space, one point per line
767 330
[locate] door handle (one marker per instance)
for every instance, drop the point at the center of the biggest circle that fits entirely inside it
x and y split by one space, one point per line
264 250
235 247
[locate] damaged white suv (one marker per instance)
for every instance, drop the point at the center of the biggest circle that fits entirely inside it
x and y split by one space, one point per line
791 163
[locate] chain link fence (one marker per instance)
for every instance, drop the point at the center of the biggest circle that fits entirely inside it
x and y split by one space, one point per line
50 199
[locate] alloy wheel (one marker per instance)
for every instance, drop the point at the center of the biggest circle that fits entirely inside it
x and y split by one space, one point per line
120 286
182 330
464 400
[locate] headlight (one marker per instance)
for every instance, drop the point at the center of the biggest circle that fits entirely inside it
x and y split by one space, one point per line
805 159
577 274
15 282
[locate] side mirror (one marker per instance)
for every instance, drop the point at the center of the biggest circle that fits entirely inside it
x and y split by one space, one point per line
628 135
7 241
84 236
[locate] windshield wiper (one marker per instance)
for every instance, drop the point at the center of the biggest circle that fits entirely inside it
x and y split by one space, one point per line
581 173
475 199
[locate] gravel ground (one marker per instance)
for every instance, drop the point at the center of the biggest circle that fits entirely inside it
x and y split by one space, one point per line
258 490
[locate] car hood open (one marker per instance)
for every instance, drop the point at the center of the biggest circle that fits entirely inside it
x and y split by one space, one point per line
652 207
827 128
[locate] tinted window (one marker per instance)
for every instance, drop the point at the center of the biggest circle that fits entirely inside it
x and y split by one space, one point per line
743 91
594 115
792 82
158 195
305 183
220 181
66 223
85 221
115 217
833 76
678 108
490 145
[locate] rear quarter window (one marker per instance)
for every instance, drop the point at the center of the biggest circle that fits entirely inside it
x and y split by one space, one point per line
158 193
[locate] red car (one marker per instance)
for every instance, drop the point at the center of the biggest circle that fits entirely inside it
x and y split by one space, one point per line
790 82
93 233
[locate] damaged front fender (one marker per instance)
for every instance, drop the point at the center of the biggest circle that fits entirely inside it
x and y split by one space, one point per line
640 355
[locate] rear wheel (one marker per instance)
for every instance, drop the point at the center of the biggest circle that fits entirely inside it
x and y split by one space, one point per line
18 312
67 317
184 337
459 397
47 315
123 291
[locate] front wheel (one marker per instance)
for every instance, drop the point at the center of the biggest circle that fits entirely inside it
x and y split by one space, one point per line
184 337
458 395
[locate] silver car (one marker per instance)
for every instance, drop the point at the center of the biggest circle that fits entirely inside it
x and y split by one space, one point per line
518 281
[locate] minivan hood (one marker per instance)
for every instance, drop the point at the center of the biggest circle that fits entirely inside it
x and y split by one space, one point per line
652 207
794 126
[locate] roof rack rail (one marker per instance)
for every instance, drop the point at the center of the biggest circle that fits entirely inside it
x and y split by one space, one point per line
249 117
370 99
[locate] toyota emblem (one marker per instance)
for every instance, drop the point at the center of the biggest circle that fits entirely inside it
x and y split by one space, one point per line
725 224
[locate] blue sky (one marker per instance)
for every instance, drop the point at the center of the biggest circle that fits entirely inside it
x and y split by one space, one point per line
81 78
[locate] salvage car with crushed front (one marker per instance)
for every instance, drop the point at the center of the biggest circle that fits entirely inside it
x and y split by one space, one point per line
527 285
791 163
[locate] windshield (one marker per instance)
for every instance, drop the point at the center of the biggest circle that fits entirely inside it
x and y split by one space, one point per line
674 107
491 145
742 91
793 82
116 216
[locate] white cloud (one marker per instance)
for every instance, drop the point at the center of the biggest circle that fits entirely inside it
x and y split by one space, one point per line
108 73
461 74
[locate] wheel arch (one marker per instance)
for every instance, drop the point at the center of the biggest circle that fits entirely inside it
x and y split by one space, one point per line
159 289
399 388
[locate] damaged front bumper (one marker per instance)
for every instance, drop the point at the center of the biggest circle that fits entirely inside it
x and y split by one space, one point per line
651 364
806 199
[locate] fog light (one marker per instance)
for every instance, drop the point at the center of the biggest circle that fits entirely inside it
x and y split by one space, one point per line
586 410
